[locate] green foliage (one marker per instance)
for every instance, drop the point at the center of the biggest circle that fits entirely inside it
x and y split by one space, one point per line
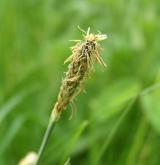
151 105
123 125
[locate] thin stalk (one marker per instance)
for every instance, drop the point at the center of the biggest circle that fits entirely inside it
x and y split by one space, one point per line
45 140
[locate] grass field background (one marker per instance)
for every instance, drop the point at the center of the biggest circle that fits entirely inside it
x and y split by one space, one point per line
117 120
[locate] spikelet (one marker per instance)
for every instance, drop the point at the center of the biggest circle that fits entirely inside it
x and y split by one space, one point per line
84 54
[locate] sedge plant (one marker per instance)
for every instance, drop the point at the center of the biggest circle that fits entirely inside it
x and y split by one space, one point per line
81 63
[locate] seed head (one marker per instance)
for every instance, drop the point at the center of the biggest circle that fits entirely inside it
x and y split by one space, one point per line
84 54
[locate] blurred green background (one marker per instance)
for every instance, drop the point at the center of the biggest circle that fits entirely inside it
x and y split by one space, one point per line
112 126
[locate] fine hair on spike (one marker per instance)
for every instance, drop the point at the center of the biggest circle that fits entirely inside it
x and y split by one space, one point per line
88 31
81 29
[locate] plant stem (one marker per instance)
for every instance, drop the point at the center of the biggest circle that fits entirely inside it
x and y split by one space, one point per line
47 134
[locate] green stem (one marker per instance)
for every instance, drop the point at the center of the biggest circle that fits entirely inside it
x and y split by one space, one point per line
43 145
